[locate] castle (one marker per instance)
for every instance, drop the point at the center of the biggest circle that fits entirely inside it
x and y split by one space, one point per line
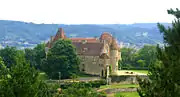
98 55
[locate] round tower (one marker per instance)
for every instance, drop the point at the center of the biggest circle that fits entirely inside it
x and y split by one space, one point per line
114 56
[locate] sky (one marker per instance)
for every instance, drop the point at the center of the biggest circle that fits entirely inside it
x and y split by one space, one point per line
87 11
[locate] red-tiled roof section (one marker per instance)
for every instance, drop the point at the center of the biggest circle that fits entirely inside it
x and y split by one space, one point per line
59 34
88 49
89 40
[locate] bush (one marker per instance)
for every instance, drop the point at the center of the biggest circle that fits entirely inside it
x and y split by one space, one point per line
102 94
91 84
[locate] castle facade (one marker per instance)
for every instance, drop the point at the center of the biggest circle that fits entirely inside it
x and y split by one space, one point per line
98 55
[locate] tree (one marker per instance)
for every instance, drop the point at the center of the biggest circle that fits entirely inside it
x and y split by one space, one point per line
36 55
30 56
21 80
128 57
141 62
146 53
62 57
39 51
164 74
10 54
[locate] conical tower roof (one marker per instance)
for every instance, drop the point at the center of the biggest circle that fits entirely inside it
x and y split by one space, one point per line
114 45
60 34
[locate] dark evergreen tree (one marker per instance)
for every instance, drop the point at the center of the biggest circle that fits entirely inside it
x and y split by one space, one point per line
164 76
21 80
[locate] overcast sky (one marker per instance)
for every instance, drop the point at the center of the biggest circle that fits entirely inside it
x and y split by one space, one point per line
87 11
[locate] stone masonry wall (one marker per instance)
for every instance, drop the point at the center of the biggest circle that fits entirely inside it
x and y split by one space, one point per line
126 79
92 64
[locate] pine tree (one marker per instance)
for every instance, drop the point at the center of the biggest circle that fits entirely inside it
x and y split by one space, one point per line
21 80
164 76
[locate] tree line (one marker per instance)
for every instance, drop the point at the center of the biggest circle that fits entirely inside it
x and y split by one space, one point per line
137 59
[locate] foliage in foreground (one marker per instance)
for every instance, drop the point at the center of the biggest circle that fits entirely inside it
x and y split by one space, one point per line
21 80
90 84
165 75
11 56
127 94
80 91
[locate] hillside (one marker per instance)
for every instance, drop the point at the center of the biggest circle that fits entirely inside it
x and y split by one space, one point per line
15 31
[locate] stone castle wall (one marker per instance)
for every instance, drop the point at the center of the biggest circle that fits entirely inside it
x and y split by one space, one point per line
91 64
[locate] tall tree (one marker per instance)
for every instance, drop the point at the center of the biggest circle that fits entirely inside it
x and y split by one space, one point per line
146 54
36 55
39 51
21 80
165 75
62 57
30 56
10 55
128 57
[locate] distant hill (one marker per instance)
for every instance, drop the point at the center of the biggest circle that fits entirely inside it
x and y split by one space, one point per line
35 33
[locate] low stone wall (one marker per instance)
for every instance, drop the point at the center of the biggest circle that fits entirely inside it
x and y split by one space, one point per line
117 90
126 79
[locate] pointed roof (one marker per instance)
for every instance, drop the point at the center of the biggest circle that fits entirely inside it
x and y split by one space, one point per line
60 34
114 45
105 35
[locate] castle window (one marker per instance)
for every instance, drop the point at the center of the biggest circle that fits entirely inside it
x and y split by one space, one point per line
100 65
94 59
83 58
84 49
83 67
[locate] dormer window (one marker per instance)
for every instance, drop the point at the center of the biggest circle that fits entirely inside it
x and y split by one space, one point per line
84 41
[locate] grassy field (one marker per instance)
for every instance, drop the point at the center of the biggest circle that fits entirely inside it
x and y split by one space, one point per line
119 86
43 76
127 94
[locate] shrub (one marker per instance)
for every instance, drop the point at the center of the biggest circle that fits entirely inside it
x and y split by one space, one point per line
91 84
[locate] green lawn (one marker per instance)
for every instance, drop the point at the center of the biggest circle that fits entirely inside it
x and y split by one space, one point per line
127 94
43 76
119 86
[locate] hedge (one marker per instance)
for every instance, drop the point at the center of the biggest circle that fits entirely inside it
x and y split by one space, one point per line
91 84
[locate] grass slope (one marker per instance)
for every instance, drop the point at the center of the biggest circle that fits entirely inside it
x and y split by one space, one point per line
127 94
